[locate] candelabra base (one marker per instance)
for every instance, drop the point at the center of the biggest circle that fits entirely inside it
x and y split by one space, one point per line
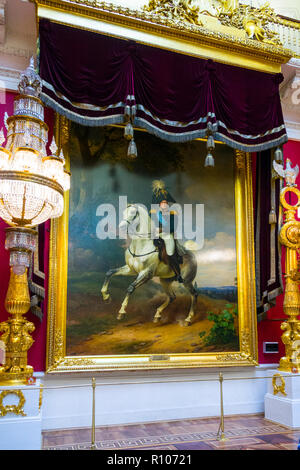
16 331
15 378
288 365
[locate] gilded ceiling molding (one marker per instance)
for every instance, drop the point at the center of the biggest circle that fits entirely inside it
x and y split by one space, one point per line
255 21
222 43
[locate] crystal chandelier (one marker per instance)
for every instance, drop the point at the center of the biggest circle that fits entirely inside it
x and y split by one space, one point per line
32 186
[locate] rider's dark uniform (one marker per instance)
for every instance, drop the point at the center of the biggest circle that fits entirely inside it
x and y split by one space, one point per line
166 223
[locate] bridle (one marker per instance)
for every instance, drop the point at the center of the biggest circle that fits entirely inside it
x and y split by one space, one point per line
145 235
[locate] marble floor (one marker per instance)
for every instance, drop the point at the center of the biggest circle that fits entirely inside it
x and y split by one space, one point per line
247 432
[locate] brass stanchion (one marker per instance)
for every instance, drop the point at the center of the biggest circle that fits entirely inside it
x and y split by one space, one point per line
221 431
93 445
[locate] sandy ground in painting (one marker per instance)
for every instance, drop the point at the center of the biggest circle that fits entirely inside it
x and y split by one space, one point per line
92 332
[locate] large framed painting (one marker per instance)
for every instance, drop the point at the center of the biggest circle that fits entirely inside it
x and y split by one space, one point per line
152 263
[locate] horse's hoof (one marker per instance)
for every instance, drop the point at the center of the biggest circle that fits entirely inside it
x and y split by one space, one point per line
120 316
156 320
187 323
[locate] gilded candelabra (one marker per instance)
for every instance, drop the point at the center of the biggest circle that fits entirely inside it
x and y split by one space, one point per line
32 187
289 237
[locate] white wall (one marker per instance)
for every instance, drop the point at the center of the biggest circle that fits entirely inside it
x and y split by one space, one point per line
150 396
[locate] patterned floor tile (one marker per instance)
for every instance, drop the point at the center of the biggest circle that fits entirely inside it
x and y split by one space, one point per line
201 445
251 432
234 443
276 439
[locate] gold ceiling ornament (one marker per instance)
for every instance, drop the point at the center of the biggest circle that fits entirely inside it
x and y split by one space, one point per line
175 10
289 237
255 21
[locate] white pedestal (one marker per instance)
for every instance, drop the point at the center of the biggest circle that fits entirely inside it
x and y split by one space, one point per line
19 432
280 408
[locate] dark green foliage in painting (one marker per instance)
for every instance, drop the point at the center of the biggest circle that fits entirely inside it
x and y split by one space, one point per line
108 145
223 330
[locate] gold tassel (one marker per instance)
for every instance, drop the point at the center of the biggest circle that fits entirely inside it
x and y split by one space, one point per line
272 217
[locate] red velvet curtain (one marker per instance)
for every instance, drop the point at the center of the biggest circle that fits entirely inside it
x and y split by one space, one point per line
176 96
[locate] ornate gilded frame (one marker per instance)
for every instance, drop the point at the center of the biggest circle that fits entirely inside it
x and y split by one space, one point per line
57 361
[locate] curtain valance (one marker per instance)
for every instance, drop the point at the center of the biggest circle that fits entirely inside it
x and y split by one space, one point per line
92 79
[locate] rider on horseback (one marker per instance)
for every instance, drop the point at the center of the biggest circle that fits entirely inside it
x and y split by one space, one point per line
165 221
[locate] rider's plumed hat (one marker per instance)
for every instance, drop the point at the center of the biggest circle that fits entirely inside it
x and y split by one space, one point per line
160 193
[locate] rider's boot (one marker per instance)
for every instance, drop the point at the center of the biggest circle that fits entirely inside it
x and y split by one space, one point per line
174 264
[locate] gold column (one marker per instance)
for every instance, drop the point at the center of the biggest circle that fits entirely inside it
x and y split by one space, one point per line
290 238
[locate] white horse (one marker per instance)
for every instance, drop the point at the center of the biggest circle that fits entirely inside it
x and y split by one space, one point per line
142 261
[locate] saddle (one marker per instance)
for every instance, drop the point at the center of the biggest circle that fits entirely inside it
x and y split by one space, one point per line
162 252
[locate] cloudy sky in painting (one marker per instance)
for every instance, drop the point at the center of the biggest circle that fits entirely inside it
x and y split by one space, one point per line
217 261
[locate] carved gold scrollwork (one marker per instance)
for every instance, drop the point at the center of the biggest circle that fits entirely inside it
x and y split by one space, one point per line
255 21
240 158
58 347
175 10
244 354
41 397
278 387
62 130
16 409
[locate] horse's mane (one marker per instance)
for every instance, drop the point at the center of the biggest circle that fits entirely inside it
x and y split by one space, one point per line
144 214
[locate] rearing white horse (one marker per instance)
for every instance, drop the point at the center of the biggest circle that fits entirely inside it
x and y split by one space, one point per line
142 261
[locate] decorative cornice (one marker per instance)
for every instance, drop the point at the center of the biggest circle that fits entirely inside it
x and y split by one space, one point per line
9 78
294 62
2 21
293 130
17 51
290 90
162 26
290 23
